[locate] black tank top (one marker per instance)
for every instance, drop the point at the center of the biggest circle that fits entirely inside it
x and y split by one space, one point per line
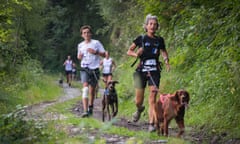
149 60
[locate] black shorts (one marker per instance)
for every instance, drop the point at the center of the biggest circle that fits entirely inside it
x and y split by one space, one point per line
74 72
68 72
106 74
142 78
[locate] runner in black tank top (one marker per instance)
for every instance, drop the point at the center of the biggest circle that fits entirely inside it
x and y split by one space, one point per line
148 69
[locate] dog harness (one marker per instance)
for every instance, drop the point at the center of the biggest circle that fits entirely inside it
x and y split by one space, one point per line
112 96
163 98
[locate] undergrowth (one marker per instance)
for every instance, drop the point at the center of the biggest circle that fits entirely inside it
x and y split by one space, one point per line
91 126
15 128
26 84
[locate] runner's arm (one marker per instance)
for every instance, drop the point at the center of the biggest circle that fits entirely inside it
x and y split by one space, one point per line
114 65
166 59
80 55
64 63
101 64
131 51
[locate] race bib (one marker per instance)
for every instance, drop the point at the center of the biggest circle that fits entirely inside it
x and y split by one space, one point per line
149 68
150 62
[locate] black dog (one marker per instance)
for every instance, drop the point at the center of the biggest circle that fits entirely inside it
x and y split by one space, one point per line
110 98
60 82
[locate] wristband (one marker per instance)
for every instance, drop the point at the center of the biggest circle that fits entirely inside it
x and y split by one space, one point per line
96 52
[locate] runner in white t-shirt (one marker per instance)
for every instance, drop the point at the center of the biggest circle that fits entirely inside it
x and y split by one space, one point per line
68 69
89 52
107 65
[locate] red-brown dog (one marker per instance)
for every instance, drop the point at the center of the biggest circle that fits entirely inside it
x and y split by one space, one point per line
171 106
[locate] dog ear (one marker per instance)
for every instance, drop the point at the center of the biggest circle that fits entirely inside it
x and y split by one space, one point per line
177 95
187 96
116 82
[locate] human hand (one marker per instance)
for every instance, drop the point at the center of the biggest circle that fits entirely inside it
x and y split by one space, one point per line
92 51
168 67
113 69
80 55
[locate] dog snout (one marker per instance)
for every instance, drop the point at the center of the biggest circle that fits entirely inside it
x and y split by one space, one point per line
185 101
110 86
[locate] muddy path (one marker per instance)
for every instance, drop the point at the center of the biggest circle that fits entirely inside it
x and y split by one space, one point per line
37 111
126 123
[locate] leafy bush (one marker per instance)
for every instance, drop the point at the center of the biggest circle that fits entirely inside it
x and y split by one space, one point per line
202 39
16 128
26 84
206 64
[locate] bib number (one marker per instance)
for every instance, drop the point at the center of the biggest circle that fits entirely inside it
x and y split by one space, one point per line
150 62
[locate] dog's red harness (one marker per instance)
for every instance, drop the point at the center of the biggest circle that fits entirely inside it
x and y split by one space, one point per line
163 98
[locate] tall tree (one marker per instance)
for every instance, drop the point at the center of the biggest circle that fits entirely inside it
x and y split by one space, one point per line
62 34
18 18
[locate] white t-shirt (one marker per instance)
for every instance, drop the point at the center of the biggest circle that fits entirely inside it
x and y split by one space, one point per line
68 65
107 66
89 60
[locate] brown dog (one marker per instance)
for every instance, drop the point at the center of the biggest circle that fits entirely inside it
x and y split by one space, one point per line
170 106
110 99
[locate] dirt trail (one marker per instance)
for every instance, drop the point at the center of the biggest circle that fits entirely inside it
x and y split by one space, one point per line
37 112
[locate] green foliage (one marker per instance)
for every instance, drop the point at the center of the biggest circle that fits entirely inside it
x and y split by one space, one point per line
124 21
26 85
28 73
17 79
202 39
15 128
18 21
205 44
62 32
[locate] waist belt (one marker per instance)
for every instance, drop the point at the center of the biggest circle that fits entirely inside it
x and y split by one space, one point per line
88 70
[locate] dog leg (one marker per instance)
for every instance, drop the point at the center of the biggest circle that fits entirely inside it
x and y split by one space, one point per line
103 107
181 128
113 109
157 125
116 109
103 113
166 123
108 111
162 128
158 117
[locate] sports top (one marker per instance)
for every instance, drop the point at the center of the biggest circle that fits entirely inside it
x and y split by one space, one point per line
89 60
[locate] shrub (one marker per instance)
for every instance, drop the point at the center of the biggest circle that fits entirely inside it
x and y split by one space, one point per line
16 128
